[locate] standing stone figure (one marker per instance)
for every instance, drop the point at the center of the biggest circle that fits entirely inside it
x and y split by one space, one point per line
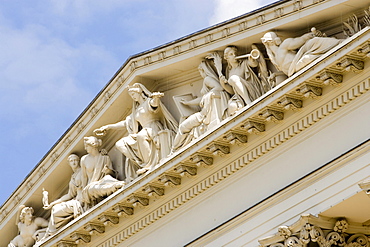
69 206
151 128
245 77
96 173
213 103
284 55
28 227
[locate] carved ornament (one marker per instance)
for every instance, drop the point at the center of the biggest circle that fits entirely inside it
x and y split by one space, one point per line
108 219
290 103
201 160
185 170
309 91
153 190
218 149
94 228
169 180
66 244
310 229
351 64
235 138
138 201
254 127
271 115
123 210
79 238
330 78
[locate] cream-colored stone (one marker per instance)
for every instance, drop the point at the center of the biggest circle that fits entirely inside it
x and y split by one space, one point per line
29 228
213 105
148 123
96 173
239 79
283 53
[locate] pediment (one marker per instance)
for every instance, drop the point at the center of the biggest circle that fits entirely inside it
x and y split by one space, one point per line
272 119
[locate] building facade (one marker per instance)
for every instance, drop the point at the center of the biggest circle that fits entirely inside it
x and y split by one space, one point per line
251 132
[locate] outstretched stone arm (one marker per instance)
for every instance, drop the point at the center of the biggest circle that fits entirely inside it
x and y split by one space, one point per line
296 43
102 130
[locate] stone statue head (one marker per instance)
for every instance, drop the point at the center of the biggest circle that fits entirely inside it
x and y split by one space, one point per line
92 141
271 37
26 212
74 161
231 49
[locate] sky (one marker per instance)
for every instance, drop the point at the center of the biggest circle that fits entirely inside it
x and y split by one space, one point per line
56 55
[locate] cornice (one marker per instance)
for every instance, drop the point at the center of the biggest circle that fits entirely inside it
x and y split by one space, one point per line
330 75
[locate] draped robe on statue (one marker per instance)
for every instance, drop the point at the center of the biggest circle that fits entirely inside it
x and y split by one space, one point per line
142 147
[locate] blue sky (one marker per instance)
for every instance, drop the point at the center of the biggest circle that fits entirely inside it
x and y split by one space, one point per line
57 55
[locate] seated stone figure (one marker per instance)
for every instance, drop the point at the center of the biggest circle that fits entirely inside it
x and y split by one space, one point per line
151 128
69 206
213 105
96 173
284 55
29 228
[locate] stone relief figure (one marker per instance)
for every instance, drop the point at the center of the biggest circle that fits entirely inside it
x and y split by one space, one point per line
29 228
69 206
96 173
151 128
245 77
284 54
213 103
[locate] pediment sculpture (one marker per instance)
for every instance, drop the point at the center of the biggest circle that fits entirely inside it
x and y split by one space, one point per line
70 205
245 77
96 173
213 104
151 129
30 228
293 54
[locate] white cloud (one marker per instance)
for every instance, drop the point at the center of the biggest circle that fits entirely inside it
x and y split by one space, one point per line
227 9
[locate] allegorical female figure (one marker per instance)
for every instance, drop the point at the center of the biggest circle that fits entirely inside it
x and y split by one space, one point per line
213 103
69 206
151 128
